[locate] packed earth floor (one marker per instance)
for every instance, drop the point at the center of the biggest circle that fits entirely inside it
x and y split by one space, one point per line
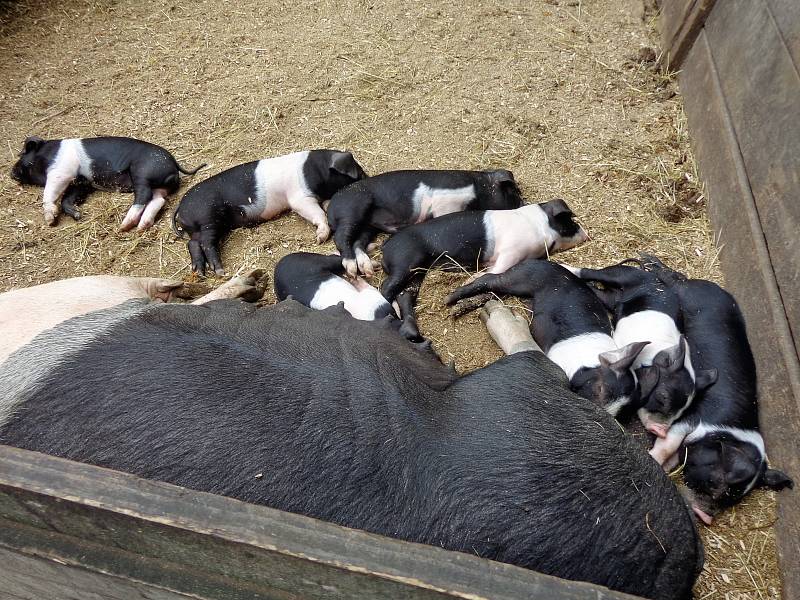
562 92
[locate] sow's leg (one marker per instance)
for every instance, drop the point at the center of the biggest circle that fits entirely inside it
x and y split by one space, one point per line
510 332
27 312
246 286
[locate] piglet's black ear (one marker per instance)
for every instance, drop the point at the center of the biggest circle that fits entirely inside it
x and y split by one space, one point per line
32 143
704 379
776 480
503 176
648 380
344 163
620 360
556 208
672 358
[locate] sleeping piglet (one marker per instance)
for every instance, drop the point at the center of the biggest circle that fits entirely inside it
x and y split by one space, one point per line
76 167
394 200
317 281
572 327
496 239
254 192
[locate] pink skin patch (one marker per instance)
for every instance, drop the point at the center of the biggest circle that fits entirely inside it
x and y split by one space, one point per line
702 515
658 429
360 284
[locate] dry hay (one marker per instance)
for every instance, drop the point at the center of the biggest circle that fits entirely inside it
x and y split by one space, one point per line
561 92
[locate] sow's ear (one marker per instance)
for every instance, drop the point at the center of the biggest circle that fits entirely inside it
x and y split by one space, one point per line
776 480
648 380
704 379
344 163
32 144
621 360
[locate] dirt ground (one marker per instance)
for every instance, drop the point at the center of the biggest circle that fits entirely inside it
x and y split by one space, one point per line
562 92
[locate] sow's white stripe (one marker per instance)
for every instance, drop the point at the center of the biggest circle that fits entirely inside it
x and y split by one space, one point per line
22 371
277 180
71 160
580 351
651 325
360 304
429 202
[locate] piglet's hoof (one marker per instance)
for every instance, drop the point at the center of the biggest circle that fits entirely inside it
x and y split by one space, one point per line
50 217
191 289
323 233
350 266
242 286
467 305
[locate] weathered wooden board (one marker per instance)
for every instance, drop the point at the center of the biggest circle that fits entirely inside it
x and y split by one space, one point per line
25 577
680 24
93 525
742 92
786 15
761 87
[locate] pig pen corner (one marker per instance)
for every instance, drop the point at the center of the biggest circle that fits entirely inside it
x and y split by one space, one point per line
630 110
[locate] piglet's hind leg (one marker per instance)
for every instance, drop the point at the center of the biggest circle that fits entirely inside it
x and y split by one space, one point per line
152 209
142 194
308 207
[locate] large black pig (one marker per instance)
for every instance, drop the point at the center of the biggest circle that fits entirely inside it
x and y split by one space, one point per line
349 423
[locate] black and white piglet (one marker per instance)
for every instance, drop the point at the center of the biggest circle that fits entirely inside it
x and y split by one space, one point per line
76 167
496 239
572 326
724 456
254 192
317 281
397 199
645 309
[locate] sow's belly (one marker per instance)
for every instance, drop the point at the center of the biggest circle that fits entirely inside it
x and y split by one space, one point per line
223 358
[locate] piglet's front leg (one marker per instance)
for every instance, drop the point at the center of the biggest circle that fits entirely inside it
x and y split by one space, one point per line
664 449
57 182
308 207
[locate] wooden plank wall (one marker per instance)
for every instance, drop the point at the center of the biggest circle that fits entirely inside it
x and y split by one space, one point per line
70 530
741 84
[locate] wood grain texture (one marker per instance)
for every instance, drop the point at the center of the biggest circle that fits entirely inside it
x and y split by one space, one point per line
680 23
25 577
727 145
786 16
761 88
209 546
